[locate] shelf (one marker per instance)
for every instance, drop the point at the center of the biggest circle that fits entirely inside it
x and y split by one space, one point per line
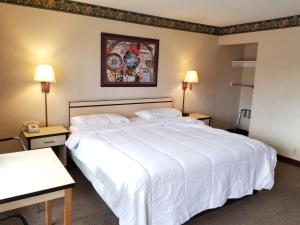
243 63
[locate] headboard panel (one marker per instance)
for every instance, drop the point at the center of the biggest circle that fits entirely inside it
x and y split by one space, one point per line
124 107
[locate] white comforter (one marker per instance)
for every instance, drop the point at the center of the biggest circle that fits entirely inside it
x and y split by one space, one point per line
164 172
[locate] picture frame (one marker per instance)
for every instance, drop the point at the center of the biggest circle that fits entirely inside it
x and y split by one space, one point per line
128 61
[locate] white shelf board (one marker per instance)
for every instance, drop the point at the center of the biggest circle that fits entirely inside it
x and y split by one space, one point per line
243 63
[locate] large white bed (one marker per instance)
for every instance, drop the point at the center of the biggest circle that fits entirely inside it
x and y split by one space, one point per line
165 171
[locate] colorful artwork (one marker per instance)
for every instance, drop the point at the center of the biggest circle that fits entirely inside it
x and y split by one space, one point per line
128 61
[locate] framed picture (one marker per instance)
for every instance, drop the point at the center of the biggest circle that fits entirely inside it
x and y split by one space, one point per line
128 61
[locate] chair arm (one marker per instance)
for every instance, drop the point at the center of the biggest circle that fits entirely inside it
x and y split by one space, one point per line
15 215
14 138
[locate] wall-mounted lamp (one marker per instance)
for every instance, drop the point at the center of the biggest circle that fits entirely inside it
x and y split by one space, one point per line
45 75
191 76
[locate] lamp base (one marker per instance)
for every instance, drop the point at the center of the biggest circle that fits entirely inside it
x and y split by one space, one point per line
185 114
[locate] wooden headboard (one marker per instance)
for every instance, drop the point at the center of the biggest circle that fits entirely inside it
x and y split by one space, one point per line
125 107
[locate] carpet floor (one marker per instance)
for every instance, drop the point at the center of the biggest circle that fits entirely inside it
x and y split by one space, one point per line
280 206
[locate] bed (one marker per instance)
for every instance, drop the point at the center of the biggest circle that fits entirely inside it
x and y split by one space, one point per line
167 170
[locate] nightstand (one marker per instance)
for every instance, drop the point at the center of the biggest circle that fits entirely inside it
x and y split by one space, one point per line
199 116
53 136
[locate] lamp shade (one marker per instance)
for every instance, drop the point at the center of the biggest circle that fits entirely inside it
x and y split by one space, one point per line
44 73
191 76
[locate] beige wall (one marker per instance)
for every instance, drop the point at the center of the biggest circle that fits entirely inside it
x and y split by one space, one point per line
226 100
71 43
248 75
275 106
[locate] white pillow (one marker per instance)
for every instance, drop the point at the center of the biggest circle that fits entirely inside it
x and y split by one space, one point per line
160 113
93 120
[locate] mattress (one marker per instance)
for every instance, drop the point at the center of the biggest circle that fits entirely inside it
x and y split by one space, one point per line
166 171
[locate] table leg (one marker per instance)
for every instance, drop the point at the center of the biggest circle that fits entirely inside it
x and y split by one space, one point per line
62 154
48 213
68 207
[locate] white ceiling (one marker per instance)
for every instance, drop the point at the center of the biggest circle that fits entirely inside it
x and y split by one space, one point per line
211 12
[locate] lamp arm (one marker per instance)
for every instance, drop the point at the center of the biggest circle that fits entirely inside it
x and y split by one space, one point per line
46 109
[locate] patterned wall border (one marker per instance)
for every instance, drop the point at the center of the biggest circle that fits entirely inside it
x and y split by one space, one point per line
115 14
150 20
286 22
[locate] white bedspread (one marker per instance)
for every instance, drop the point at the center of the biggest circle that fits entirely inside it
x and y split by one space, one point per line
165 172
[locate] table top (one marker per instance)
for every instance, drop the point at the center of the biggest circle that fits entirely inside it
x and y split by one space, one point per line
46 131
31 173
199 116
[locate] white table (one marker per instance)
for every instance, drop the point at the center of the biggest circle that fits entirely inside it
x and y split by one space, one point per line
32 177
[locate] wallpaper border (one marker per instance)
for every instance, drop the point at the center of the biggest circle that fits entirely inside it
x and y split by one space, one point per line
115 14
156 21
272 24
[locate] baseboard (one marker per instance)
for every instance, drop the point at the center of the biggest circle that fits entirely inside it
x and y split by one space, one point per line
288 160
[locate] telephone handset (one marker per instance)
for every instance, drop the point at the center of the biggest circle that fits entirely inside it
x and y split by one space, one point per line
32 126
